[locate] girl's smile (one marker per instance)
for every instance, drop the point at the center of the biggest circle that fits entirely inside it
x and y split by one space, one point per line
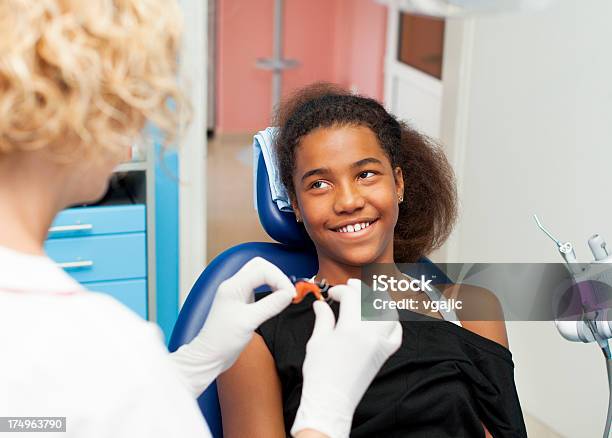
355 229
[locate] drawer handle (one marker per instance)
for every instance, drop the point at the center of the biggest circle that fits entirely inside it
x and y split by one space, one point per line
75 265
64 228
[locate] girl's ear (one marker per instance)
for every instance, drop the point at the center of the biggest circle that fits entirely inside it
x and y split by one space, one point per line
296 209
399 183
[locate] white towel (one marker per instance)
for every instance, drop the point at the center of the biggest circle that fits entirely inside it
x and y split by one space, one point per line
263 143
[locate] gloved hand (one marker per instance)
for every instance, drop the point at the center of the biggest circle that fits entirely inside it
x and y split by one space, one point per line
230 324
341 361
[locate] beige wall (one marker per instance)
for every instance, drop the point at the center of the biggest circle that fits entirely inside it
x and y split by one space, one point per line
539 140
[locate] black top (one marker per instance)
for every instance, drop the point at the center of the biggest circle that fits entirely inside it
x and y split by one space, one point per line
442 382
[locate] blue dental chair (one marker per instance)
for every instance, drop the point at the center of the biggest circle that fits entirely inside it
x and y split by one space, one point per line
294 255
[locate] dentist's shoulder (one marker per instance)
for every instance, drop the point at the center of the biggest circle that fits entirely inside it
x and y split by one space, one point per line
86 357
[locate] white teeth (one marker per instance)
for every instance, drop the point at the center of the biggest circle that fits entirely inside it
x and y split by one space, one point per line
353 228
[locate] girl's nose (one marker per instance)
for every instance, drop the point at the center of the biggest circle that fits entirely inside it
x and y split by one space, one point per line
348 199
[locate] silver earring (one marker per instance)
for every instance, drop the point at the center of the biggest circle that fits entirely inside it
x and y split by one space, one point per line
401 199
297 219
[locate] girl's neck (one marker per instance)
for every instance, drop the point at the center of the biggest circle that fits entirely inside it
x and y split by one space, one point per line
335 273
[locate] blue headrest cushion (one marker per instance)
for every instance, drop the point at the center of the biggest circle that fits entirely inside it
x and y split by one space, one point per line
280 225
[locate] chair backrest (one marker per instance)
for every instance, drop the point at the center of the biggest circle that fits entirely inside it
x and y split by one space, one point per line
295 255
280 225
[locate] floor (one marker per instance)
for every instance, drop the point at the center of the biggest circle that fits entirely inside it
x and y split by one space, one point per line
538 429
232 218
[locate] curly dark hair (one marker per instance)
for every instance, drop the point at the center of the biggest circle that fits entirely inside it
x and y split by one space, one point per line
428 213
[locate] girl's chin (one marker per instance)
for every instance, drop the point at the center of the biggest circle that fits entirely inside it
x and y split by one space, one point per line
358 259
354 255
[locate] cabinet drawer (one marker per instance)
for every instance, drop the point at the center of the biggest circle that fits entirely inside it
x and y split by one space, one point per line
99 258
92 221
131 293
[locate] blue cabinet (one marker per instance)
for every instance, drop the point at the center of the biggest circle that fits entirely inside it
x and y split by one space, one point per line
105 249
132 293
95 221
126 245
101 258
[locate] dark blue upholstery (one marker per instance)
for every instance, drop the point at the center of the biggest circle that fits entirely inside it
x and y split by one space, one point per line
295 255
280 225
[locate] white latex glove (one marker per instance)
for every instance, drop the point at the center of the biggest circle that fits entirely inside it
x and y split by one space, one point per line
230 324
341 361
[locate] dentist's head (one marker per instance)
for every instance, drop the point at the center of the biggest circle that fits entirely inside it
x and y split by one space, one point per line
78 81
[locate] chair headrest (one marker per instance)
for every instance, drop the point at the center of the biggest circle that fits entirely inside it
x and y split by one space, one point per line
280 225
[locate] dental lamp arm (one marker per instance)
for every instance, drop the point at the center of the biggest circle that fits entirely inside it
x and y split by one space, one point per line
466 8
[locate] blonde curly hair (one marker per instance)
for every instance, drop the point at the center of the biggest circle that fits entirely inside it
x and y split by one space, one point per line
81 77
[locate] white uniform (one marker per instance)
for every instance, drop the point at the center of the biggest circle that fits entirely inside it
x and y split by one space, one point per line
67 352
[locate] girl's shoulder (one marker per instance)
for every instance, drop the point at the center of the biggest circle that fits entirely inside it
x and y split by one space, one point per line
481 312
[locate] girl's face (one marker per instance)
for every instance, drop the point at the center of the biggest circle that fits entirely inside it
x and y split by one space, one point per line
347 195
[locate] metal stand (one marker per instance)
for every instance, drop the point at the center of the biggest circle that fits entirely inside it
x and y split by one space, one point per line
609 418
277 64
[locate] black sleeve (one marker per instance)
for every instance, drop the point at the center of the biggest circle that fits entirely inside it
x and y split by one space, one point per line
496 395
488 370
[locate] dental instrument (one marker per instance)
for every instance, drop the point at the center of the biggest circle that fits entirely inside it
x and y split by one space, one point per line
304 286
593 324
565 248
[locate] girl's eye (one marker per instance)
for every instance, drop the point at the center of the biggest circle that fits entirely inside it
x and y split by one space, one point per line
366 174
319 185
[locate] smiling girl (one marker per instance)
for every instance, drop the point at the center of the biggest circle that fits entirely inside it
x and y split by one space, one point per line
369 189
